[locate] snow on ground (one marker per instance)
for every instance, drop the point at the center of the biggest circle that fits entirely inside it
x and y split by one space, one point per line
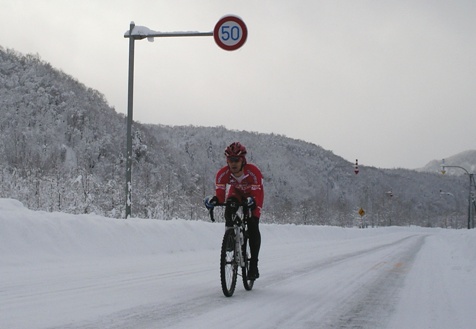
85 271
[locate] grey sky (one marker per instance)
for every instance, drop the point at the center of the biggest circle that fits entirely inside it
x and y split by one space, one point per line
392 83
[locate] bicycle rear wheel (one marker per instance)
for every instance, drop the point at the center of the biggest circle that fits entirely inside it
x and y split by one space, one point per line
248 284
228 264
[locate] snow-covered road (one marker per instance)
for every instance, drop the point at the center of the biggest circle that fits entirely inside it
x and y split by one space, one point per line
65 271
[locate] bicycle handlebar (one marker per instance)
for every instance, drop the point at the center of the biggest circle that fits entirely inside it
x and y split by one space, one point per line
210 211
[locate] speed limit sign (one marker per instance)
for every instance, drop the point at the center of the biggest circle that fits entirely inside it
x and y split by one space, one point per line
230 33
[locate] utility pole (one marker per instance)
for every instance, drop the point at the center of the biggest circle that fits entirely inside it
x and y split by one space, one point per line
471 195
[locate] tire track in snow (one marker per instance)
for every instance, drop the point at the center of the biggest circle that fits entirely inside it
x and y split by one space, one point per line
331 302
372 304
331 298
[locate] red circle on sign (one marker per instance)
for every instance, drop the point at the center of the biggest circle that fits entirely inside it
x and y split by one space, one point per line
226 36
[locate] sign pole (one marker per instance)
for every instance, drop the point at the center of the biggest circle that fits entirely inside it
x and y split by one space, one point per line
130 104
230 34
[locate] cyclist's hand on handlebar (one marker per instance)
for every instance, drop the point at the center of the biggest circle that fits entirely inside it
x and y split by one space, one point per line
250 202
210 202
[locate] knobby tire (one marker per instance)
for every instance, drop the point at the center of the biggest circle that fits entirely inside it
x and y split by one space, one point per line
228 264
248 284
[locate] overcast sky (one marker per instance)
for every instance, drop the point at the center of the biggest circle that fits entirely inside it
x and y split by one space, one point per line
392 83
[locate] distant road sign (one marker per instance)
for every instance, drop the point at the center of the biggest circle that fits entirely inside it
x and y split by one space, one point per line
230 33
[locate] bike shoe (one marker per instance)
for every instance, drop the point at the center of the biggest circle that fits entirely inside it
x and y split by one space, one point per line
253 273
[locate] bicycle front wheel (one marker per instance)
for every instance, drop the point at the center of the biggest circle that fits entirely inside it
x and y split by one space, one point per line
228 264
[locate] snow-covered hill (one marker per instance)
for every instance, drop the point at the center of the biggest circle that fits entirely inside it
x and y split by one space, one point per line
63 149
465 159
60 270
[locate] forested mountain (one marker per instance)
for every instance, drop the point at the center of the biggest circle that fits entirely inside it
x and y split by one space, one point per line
63 149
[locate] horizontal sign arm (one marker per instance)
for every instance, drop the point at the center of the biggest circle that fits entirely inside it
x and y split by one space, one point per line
142 32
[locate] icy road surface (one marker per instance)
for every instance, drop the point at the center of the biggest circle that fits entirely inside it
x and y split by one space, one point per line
64 271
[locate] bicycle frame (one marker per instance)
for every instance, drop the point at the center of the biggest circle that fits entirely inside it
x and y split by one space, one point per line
238 256
239 226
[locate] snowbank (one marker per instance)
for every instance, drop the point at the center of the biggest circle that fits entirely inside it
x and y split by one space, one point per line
42 236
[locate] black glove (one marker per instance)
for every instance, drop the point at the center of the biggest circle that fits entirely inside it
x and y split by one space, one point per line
250 202
210 202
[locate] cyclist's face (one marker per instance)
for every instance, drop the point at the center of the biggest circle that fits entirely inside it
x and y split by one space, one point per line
235 164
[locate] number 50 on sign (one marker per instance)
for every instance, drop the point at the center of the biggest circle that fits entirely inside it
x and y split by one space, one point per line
230 33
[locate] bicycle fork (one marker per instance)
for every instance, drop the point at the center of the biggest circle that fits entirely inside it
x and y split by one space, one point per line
238 246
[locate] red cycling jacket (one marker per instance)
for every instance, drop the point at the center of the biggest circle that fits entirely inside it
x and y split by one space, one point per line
249 184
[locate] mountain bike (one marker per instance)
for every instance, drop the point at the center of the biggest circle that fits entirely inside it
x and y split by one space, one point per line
235 252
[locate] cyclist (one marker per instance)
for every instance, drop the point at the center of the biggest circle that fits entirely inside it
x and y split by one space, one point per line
245 183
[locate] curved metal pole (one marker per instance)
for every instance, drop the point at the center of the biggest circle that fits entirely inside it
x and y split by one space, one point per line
132 37
443 166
